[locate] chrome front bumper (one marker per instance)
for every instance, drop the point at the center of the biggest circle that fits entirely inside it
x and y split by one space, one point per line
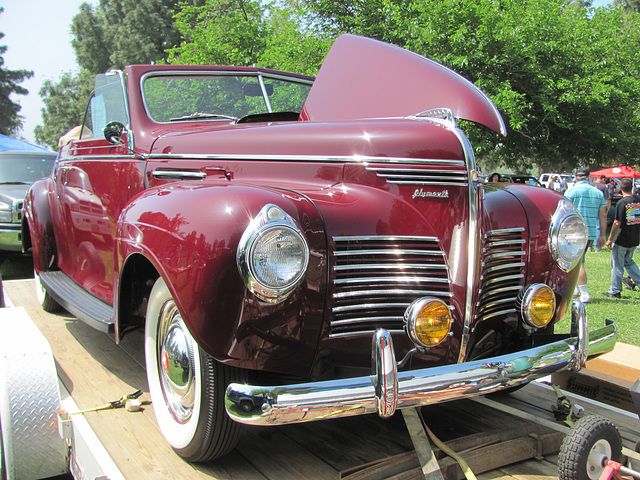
387 390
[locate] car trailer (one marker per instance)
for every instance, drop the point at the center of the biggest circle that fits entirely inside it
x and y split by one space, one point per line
354 445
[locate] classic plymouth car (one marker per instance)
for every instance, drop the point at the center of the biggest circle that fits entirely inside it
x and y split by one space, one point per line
301 248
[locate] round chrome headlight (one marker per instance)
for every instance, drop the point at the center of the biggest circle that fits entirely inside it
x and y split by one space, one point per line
273 255
568 235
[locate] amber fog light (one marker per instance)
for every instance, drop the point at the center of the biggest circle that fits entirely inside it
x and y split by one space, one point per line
427 321
538 305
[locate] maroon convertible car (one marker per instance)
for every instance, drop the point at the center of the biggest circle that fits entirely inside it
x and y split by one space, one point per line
301 248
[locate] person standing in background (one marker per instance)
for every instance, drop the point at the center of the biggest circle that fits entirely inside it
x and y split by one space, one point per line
601 184
625 237
591 205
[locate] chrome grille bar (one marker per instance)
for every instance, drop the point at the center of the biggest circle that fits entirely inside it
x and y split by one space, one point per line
503 272
377 277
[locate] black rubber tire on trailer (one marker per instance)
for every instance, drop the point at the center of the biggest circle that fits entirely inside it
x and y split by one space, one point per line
582 448
187 386
46 300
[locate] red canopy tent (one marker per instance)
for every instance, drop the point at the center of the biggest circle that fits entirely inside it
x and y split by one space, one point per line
620 171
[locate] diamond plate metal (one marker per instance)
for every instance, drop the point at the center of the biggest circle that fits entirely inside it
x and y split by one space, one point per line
29 400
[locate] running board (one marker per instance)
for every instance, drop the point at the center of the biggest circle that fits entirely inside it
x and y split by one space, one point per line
77 301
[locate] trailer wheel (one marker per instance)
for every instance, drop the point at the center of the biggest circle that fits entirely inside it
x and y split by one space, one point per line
187 386
46 300
584 448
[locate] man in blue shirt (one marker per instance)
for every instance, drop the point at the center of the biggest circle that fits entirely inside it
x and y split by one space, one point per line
591 205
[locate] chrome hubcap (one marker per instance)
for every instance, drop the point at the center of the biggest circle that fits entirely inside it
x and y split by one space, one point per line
175 362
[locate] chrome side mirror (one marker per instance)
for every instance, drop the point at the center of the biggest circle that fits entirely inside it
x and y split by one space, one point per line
113 132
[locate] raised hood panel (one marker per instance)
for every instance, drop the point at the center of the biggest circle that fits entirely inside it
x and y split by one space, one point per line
365 78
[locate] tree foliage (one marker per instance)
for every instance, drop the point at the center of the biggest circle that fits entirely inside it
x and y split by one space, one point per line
249 32
64 104
564 77
10 119
121 32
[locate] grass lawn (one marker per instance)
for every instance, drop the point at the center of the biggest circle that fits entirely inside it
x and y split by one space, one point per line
625 312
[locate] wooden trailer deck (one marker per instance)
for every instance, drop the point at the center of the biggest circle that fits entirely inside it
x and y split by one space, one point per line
96 371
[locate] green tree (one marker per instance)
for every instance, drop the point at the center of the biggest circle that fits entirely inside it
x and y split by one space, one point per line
64 105
116 33
564 77
10 120
249 32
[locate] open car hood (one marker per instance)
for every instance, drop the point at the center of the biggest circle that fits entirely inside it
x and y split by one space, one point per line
364 78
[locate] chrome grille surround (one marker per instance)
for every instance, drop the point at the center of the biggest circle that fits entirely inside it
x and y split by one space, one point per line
503 272
377 277
457 176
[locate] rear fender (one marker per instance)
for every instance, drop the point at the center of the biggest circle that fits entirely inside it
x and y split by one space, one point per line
190 234
37 226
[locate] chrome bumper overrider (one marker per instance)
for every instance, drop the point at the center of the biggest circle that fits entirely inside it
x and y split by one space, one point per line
387 390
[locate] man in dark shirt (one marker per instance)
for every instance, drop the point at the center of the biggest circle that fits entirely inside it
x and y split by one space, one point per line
626 233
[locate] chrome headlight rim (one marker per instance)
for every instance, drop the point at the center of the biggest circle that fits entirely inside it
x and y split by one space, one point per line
565 213
410 321
527 296
270 218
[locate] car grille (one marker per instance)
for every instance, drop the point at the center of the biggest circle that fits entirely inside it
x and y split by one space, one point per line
503 269
377 277
423 176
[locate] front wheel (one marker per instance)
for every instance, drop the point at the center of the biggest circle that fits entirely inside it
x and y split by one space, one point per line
588 443
187 386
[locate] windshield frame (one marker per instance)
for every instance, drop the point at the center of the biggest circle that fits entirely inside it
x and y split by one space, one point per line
260 76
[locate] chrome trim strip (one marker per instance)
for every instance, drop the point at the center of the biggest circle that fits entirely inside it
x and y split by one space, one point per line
369 306
286 404
390 266
360 293
198 175
499 313
374 280
390 238
299 158
361 333
388 251
473 235
504 231
503 243
502 279
504 266
353 321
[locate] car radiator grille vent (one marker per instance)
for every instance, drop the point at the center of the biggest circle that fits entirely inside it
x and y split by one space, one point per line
421 176
376 278
503 269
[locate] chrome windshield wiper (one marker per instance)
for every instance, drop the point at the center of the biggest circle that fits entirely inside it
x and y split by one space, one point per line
199 116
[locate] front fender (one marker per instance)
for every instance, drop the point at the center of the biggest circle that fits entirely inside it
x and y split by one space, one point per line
37 226
190 233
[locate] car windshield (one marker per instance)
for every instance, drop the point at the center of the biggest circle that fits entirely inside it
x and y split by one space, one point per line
25 169
197 96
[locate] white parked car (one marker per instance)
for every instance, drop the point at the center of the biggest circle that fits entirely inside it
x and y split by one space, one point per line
546 178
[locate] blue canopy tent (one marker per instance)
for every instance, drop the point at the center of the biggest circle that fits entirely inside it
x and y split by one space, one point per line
8 143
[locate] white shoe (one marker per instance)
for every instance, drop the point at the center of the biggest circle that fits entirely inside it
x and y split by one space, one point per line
585 298
576 293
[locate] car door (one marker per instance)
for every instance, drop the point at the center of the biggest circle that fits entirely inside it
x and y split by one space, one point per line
93 183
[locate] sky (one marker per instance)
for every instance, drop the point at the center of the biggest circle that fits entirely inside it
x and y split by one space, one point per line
38 38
